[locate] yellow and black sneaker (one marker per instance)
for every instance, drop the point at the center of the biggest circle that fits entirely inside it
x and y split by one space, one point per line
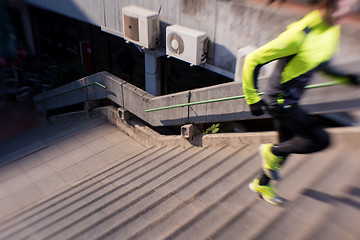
267 192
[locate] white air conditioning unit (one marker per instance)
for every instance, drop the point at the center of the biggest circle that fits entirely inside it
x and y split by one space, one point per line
141 26
187 44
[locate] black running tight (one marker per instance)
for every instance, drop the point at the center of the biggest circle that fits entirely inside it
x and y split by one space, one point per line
298 133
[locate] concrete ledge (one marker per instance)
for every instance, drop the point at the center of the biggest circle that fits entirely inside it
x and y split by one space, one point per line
139 131
137 101
236 139
148 137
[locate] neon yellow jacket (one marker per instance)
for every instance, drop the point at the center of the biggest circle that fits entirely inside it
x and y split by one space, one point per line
302 49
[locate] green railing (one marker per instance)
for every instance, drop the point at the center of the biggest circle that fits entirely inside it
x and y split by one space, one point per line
72 90
236 97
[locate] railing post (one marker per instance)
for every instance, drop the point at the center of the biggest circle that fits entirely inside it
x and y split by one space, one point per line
190 130
123 114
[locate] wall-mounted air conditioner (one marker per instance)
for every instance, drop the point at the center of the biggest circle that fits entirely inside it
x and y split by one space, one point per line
141 26
187 44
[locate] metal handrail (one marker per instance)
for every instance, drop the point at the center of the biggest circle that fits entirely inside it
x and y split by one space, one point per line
72 90
236 97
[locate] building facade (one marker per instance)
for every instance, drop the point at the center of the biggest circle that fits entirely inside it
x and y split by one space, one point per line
92 31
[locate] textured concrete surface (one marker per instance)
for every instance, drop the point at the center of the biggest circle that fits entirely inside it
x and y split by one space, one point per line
42 172
98 183
230 25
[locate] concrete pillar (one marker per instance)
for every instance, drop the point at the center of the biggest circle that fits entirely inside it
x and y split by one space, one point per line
241 54
266 70
152 73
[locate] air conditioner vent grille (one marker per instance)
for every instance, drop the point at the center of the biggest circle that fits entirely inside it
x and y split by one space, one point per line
176 44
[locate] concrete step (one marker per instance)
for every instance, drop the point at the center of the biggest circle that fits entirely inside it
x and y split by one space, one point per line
200 197
311 209
196 193
128 200
72 154
74 193
341 222
223 201
163 195
180 161
189 199
45 131
89 191
252 220
42 137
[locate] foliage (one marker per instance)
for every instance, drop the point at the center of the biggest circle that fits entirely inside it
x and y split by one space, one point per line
213 129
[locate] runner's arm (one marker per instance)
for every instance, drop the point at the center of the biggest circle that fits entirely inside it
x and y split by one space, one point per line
286 44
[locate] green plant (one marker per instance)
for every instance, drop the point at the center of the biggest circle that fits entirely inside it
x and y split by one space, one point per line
213 129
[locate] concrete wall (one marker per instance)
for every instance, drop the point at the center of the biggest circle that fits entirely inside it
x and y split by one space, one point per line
52 99
90 11
230 25
320 100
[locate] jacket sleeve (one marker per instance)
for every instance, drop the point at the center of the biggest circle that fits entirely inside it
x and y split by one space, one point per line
286 44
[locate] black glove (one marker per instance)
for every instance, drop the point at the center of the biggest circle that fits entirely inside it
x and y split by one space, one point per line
354 79
256 108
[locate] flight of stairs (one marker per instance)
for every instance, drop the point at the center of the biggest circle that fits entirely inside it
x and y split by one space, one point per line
164 192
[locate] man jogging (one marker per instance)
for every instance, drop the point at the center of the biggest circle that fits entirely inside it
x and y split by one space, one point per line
305 47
